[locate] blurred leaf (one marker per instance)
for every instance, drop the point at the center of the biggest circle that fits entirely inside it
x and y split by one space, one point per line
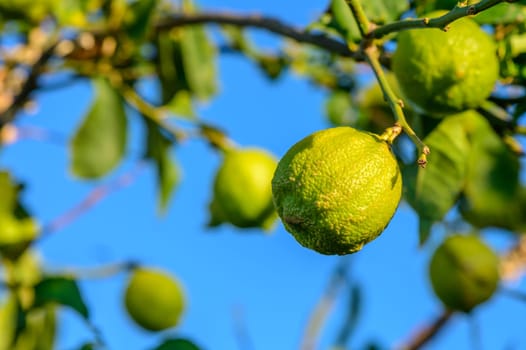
100 142
343 20
492 195
338 108
177 344
432 191
39 331
181 105
380 11
140 14
169 66
87 346
199 61
159 151
353 314
9 191
8 321
61 290
502 13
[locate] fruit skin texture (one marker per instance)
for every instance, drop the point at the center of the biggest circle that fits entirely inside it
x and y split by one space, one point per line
154 299
337 189
464 272
242 192
446 72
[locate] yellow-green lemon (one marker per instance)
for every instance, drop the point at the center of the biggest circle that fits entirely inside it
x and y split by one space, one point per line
337 189
443 72
154 299
242 190
464 272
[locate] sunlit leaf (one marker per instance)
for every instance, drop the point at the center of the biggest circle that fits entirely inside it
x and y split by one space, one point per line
8 321
343 20
39 331
100 142
60 290
501 13
181 105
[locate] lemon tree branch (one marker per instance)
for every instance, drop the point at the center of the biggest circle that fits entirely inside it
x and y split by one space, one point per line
396 104
438 22
360 16
257 21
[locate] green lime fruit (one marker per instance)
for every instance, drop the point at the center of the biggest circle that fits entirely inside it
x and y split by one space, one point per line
337 189
16 234
242 190
444 72
154 299
464 272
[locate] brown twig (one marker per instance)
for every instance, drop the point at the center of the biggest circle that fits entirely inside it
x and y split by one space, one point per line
257 21
94 197
29 85
427 333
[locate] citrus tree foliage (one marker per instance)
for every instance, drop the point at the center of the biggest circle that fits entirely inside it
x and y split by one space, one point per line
458 151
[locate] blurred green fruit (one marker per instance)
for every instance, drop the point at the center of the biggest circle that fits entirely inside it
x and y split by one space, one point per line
242 191
154 299
464 272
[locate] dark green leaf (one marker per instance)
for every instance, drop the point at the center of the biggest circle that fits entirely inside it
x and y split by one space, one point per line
100 142
9 191
169 66
432 191
492 195
159 151
177 344
140 17
61 290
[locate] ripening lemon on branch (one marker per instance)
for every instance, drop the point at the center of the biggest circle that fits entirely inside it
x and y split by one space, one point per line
443 72
337 189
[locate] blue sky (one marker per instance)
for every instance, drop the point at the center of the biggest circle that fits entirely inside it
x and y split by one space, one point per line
268 281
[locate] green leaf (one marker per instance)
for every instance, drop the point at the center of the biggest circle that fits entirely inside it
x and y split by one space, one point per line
39 330
199 61
158 149
100 142
492 194
8 321
9 191
343 20
380 11
169 67
176 344
61 290
503 13
181 105
140 15
432 191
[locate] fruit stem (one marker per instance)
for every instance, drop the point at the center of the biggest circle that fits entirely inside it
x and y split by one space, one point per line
438 22
359 15
396 104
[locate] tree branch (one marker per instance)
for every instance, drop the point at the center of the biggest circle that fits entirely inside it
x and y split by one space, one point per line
29 85
427 333
257 21
438 22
